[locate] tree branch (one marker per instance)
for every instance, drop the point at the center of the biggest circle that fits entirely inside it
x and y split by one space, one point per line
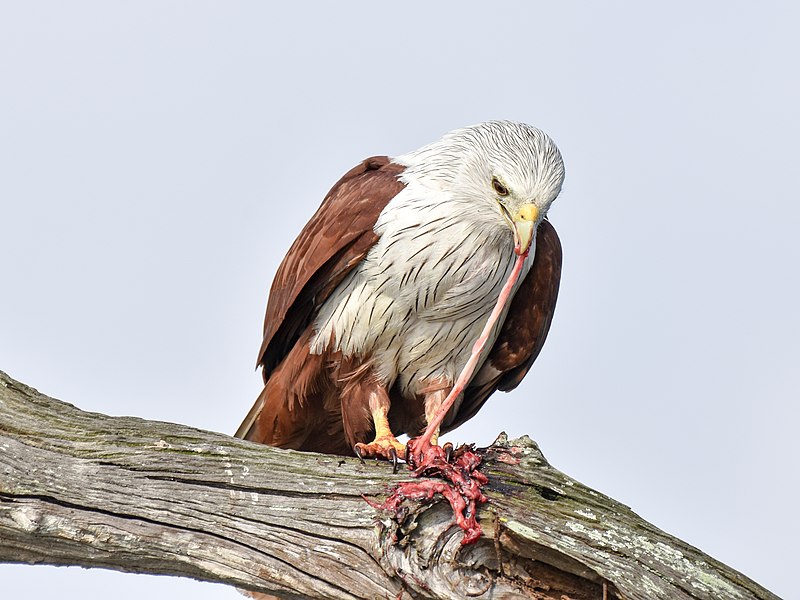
123 493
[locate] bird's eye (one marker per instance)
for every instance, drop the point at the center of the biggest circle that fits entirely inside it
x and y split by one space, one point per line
499 187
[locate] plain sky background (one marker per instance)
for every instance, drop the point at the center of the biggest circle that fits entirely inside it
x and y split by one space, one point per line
158 158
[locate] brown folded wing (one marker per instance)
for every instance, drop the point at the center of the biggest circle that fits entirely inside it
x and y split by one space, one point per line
332 243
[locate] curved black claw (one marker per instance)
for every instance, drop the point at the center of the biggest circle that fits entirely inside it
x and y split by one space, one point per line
357 452
448 452
393 455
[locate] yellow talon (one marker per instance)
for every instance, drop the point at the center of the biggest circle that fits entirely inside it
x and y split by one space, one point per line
385 445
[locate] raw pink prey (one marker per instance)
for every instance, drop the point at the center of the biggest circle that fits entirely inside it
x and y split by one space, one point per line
458 481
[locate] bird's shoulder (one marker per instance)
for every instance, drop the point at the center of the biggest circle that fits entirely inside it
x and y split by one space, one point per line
332 243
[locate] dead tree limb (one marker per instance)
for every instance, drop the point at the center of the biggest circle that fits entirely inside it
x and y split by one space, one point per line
86 489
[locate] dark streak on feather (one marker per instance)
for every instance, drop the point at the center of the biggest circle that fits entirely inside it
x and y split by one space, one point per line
406 275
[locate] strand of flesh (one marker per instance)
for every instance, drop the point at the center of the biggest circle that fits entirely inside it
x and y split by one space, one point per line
456 476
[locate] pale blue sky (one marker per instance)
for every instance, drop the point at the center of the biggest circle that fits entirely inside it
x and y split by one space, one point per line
158 158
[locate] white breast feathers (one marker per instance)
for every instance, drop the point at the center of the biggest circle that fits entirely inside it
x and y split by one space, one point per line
416 304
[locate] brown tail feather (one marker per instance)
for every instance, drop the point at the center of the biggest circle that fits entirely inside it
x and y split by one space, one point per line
299 407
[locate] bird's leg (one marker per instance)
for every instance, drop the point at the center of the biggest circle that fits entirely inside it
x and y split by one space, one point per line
385 445
433 403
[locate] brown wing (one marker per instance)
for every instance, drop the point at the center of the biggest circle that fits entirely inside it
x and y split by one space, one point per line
337 237
524 330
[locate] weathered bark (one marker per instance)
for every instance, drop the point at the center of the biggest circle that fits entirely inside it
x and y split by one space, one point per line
86 489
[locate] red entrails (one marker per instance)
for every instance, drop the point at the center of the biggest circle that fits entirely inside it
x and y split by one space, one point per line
460 483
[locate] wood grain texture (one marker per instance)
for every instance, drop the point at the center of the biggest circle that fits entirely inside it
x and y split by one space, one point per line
80 488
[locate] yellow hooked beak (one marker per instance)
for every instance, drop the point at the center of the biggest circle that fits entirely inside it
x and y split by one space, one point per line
524 222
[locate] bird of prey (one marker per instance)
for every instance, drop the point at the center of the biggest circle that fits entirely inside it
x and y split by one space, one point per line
374 311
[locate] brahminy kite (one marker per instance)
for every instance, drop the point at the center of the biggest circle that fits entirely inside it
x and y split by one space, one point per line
376 308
